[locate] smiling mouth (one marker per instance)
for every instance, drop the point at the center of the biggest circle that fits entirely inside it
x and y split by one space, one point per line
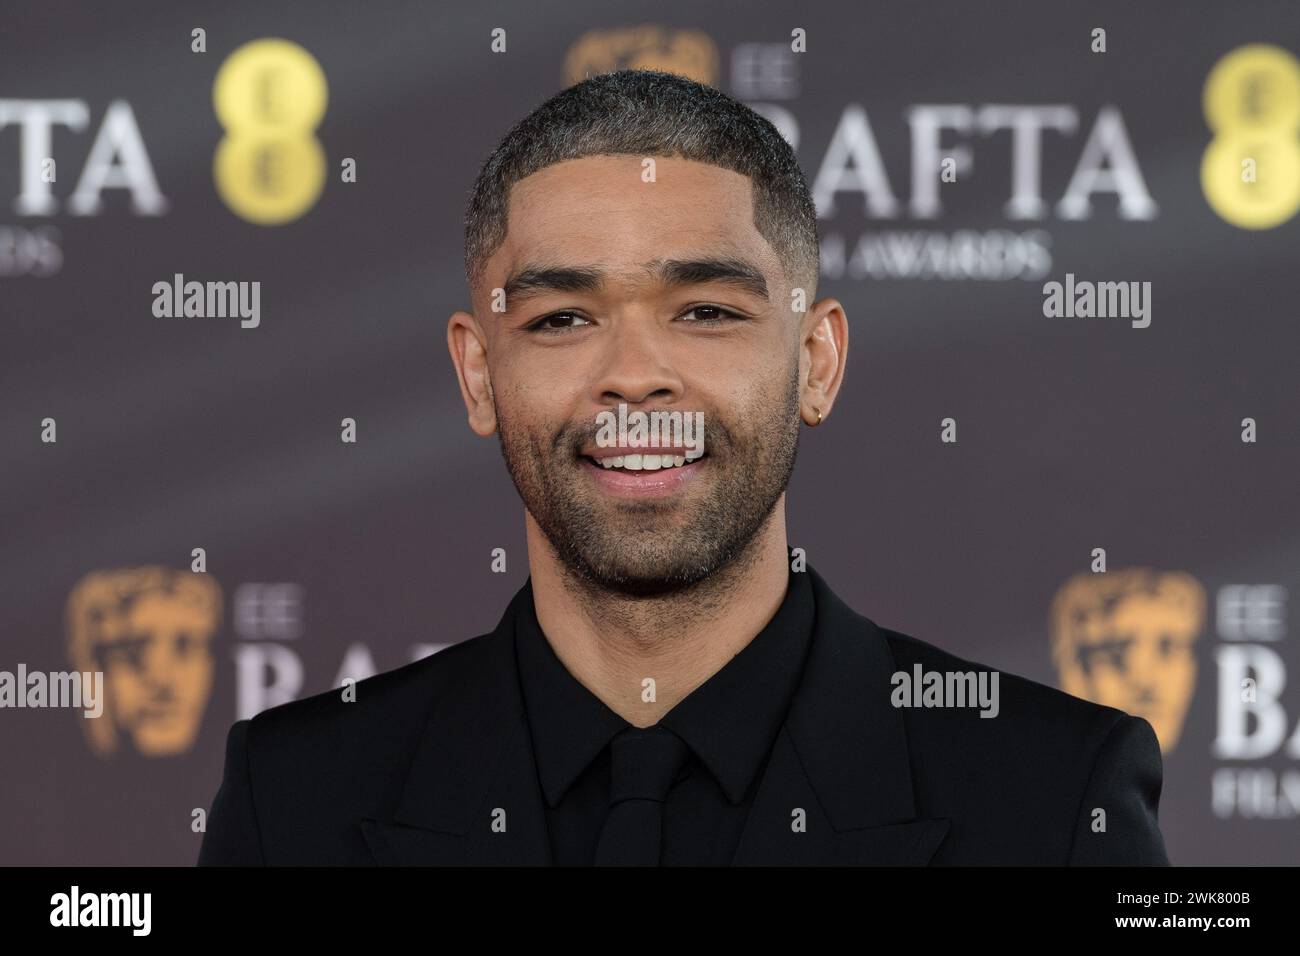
641 463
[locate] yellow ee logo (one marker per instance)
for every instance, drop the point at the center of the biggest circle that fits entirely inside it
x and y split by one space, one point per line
1251 170
270 96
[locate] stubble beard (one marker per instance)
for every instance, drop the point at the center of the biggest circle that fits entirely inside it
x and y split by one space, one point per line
656 547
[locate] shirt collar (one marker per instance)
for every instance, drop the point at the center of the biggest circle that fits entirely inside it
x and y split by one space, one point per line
730 721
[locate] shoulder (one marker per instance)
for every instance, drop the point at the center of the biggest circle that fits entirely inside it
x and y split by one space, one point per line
1035 708
1029 714
298 776
1037 743
1020 785
379 716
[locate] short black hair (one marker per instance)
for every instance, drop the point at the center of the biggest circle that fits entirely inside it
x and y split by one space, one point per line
650 113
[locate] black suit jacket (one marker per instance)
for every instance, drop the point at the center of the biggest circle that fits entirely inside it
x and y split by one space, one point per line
414 770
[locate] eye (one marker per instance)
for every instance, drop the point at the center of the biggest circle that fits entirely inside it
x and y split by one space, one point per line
713 314
544 324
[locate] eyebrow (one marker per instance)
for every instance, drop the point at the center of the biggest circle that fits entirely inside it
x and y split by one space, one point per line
538 280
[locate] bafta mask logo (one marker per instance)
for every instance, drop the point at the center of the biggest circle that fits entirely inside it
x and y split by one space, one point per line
149 630
689 53
1126 639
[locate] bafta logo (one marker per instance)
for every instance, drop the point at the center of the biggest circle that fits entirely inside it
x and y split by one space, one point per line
149 630
1126 639
689 53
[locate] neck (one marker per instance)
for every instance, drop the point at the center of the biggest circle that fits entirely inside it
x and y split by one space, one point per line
612 643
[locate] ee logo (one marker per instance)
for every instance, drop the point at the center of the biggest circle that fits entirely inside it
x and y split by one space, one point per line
269 97
1251 170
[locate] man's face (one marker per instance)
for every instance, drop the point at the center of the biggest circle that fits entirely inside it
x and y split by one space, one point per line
564 351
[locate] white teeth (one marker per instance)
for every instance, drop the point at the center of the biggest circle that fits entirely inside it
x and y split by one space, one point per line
694 453
647 462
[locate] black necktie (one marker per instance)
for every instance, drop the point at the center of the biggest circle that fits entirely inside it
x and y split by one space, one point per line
643 764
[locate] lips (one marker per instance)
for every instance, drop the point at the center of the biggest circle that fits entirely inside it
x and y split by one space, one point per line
631 478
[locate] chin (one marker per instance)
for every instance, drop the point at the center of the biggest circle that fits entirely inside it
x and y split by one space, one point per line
651 576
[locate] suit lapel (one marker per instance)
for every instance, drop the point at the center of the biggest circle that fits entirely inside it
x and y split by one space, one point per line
473 765
841 759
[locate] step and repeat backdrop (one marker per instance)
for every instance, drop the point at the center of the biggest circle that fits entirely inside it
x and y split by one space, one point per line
1068 446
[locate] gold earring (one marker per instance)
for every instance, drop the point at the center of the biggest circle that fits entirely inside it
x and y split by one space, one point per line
819 416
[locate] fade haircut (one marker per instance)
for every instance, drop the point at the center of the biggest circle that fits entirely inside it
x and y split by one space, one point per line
650 113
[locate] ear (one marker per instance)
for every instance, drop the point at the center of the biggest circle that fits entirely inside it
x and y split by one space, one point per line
468 347
823 355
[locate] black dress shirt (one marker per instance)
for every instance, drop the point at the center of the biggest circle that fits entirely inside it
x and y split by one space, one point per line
729 723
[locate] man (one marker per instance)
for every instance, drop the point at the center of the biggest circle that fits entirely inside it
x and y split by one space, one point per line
672 685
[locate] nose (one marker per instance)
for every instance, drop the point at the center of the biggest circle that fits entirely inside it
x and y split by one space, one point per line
636 366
